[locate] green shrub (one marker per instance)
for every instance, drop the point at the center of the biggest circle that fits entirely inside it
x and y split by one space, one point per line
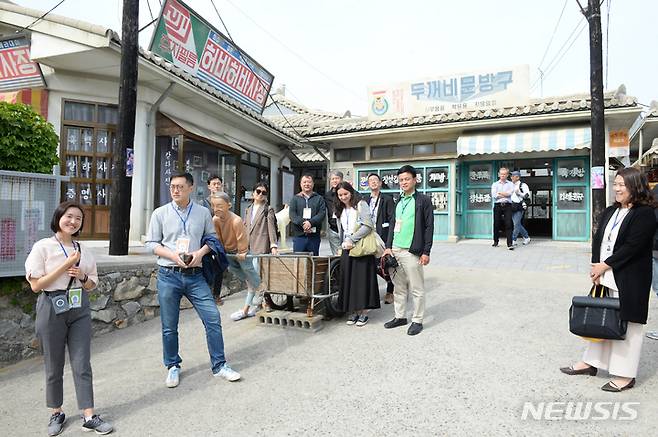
27 141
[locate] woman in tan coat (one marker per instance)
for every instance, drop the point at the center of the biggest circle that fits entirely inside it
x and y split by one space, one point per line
260 223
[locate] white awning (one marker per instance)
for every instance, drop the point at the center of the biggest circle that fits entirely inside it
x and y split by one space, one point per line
534 140
205 133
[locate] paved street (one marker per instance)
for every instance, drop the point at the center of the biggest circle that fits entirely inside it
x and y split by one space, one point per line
495 335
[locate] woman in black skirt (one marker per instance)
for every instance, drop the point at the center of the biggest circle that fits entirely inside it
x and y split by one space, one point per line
359 291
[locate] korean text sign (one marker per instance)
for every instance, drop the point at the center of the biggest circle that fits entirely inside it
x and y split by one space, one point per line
17 70
185 39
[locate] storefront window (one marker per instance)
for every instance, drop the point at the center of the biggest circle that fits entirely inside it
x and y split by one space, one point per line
573 170
572 198
480 174
479 199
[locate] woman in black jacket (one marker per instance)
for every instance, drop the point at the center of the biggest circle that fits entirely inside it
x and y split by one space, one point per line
622 261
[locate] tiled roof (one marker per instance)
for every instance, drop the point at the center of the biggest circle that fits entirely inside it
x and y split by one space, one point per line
301 116
154 59
552 105
309 156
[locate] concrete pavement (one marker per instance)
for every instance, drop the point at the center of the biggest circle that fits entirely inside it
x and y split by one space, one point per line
496 333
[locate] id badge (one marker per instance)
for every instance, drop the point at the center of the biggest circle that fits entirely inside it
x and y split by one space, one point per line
183 245
398 226
60 303
307 213
75 297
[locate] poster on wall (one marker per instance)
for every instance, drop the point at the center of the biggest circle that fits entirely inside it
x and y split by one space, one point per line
598 177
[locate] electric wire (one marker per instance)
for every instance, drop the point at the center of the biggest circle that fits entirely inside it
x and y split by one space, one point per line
40 18
607 43
553 35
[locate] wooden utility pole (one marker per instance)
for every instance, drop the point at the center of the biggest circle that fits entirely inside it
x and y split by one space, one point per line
593 15
122 183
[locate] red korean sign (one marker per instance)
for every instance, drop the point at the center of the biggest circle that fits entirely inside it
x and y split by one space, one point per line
17 71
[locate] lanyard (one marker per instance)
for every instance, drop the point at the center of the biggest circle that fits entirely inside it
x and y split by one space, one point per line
615 222
407 200
373 208
347 221
181 217
64 250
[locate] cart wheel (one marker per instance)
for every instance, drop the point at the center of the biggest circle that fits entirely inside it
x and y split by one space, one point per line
278 301
331 303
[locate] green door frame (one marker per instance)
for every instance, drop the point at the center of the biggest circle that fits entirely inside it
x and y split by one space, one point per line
560 216
466 186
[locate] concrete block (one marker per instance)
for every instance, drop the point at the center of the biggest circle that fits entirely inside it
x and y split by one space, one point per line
290 320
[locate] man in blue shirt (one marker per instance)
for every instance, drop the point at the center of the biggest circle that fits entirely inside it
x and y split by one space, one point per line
175 235
501 194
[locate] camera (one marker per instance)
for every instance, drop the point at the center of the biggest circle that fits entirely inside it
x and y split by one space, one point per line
389 262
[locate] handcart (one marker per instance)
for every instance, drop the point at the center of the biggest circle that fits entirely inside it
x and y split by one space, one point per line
313 279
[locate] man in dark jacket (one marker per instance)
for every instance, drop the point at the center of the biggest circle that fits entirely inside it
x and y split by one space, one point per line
382 210
307 211
335 178
411 244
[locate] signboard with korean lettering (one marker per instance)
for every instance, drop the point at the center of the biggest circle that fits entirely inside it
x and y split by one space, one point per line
480 174
362 178
571 170
618 143
17 70
390 179
572 198
185 39
437 177
478 90
479 199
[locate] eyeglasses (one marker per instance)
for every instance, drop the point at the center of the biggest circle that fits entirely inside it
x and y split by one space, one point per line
176 187
259 191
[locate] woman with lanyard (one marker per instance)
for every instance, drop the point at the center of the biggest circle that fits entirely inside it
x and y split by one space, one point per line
359 291
622 261
62 273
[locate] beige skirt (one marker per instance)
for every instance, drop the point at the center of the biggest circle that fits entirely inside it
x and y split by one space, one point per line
618 357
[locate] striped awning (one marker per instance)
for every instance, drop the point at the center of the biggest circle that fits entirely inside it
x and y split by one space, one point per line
534 140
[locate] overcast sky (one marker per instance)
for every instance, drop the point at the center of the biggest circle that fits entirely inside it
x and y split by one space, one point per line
327 52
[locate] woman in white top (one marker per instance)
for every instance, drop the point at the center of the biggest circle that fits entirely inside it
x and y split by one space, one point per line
359 291
63 272
622 261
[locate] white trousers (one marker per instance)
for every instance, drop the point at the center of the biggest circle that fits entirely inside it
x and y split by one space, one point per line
408 278
618 357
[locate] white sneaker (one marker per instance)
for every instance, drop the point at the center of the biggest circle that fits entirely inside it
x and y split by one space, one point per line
514 243
526 241
227 373
238 315
253 310
173 377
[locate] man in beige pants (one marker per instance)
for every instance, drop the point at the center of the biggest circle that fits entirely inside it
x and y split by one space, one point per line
411 244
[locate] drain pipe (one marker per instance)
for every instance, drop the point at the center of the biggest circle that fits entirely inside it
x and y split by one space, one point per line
148 195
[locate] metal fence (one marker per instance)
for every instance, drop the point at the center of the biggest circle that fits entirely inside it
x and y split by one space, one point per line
27 203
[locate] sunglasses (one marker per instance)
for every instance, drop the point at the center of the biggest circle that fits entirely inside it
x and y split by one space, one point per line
259 191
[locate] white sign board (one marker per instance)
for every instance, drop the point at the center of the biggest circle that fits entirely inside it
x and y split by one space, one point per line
479 90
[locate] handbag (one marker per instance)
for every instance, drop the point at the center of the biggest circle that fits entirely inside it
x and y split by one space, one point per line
371 244
596 316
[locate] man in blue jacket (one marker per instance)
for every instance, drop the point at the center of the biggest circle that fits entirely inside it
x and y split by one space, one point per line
307 211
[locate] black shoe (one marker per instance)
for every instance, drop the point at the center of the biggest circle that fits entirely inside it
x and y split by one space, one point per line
395 323
495 244
510 247
591 371
415 328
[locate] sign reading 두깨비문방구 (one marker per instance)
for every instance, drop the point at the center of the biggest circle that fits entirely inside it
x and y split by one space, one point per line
185 39
17 71
480 90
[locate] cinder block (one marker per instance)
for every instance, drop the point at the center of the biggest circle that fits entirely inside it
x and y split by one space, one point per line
291 320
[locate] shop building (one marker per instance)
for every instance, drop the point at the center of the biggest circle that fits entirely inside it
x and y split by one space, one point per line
459 154
182 123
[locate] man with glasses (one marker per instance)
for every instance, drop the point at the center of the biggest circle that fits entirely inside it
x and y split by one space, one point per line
175 234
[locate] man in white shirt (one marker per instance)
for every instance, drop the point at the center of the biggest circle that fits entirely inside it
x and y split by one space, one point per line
501 193
520 194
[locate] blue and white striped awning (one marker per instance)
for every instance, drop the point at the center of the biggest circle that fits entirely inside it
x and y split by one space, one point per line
534 140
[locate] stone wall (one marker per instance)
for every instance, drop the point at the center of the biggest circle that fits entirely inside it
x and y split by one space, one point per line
122 298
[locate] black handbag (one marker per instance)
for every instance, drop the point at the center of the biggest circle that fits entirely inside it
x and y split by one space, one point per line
596 316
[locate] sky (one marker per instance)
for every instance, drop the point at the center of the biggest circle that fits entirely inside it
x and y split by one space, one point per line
327 52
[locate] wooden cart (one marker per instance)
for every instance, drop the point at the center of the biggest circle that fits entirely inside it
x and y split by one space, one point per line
313 279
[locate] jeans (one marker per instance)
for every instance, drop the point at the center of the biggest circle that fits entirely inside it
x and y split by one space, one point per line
172 286
307 243
517 219
244 270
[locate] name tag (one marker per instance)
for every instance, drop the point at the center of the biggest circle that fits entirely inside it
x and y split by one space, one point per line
75 297
183 245
307 213
398 226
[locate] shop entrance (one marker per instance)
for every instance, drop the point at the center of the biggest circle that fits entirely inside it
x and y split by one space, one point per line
538 174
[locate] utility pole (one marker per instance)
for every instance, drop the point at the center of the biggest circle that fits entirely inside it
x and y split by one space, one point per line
122 183
593 15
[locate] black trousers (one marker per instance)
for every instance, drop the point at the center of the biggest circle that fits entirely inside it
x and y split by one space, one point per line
503 221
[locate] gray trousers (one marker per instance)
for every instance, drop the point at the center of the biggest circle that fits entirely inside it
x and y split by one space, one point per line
72 329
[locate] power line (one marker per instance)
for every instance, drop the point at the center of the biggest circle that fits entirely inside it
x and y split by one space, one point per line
297 55
40 18
262 81
553 35
607 43
150 11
